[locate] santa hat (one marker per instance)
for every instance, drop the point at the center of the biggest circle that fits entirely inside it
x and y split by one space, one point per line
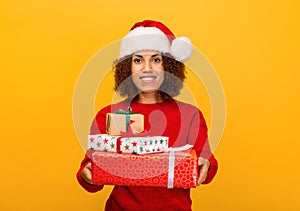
153 35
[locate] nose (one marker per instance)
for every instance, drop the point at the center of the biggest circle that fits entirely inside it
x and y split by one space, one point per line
148 66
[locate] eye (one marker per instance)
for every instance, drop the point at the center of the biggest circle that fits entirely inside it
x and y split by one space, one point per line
137 60
157 60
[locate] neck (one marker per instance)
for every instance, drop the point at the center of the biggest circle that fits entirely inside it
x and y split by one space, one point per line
147 98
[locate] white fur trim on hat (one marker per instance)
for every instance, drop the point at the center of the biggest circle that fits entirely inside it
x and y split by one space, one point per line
144 38
152 38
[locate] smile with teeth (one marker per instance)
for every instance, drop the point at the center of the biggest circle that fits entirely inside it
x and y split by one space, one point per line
148 78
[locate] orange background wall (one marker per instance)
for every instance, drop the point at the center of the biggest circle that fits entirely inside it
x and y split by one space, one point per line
253 45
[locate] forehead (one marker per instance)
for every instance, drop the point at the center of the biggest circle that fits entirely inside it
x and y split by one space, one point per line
146 53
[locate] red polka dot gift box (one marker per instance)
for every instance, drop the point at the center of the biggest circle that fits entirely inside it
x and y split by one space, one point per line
167 169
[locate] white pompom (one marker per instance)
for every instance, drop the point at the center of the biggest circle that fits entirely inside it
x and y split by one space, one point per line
181 49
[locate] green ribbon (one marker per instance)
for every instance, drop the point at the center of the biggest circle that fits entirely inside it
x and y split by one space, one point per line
127 113
120 111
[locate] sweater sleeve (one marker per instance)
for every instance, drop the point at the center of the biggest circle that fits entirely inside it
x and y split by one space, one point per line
198 137
98 126
87 186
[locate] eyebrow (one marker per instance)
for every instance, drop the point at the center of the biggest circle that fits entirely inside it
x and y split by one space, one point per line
141 56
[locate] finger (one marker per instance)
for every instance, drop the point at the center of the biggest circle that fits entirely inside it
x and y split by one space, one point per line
201 161
202 176
89 166
204 166
87 173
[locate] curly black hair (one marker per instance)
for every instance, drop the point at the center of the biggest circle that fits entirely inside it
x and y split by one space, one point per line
171 86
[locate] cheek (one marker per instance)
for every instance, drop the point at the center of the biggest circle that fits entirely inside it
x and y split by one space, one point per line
161 77
160 67
134 69
134 77
161 74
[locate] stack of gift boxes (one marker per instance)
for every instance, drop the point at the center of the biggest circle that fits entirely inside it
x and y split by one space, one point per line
126 156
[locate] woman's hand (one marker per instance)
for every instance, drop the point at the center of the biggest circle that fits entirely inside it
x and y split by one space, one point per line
204 166
86 173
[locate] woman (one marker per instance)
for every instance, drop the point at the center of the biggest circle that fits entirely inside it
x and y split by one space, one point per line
150 72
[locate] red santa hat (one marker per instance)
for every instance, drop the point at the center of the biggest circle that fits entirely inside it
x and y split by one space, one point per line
153 35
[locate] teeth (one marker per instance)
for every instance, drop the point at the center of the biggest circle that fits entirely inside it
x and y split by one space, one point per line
147 78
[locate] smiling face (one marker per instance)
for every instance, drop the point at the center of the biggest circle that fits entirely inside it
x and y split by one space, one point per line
127 71
147 71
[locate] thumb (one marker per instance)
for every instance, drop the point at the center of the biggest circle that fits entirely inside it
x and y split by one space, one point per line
201 161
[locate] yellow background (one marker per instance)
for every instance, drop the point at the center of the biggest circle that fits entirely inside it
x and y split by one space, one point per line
253 45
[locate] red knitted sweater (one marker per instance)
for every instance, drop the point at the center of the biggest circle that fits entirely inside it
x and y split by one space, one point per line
183 124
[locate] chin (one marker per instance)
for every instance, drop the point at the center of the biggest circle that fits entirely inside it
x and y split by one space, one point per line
148 91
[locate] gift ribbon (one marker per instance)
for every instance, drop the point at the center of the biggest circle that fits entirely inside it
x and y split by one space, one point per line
119 142
129 133
171 169
172 162
127 113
